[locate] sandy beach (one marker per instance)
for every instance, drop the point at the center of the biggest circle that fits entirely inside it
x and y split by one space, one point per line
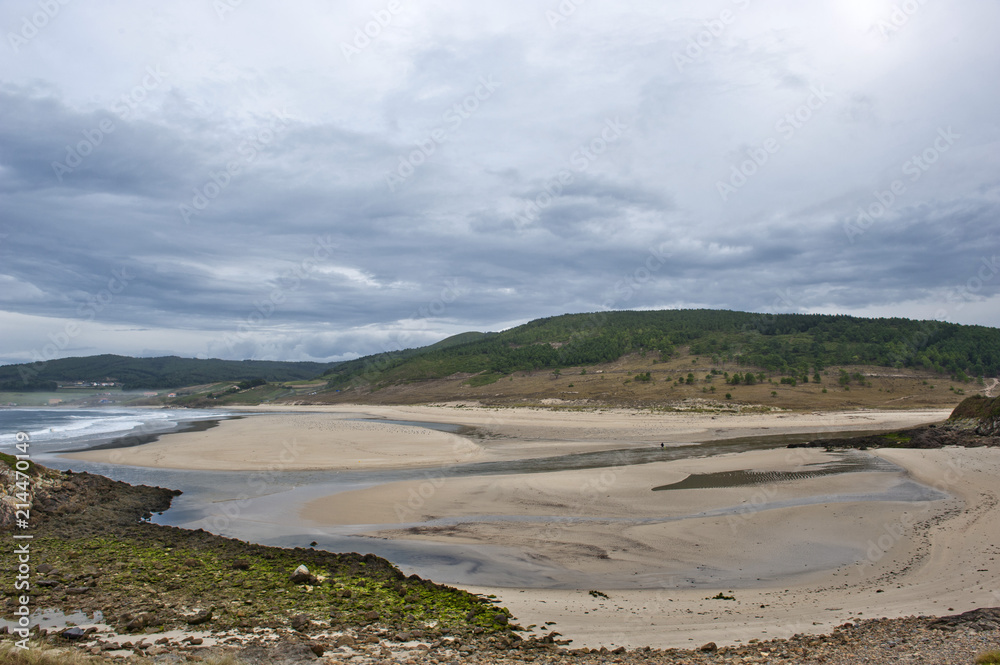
794 554
331 437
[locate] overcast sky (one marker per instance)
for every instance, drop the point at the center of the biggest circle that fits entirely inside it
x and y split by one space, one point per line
322 180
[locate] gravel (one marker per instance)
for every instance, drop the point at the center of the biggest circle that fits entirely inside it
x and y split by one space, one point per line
954 640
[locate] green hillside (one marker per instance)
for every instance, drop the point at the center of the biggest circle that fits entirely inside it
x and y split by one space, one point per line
793 345
150 373
780 344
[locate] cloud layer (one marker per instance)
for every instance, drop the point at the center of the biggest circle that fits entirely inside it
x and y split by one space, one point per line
320 182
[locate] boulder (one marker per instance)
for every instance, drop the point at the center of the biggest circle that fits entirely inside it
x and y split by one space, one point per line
303 576
139 621
199 617
983 619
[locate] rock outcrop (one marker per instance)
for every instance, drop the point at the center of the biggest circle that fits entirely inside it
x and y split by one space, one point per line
982 413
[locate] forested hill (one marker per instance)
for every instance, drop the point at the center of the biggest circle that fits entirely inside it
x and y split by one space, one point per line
140 373
780 344
792 344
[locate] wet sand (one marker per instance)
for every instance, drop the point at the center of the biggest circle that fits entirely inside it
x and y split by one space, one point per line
609 527
936 558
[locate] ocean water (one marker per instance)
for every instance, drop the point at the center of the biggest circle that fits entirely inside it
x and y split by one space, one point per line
60 429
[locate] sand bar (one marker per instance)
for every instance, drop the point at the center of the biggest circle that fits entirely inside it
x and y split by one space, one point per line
295 442
330 437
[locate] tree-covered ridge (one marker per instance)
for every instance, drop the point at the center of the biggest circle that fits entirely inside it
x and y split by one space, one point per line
785 344
149 373
792 344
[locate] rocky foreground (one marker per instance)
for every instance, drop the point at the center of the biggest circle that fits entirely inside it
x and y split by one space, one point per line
973 637
93 551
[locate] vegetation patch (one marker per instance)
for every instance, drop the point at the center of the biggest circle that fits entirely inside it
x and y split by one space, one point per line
989 658
484 379
11 462
160 576
977 407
